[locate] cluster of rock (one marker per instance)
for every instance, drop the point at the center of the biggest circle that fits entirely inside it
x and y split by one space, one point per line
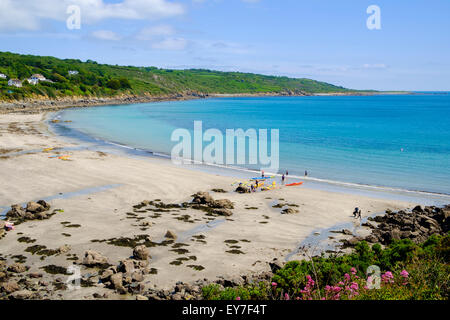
193 291
416 225
14 284
125 278
32 211
204 201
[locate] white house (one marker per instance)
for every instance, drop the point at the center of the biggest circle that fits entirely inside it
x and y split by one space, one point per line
73 72
15 83
3 76
38 76
33 81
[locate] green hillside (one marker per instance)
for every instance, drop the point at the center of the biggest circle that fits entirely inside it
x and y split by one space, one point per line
101 80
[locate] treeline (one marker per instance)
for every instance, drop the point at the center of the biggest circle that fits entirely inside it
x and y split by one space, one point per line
101 80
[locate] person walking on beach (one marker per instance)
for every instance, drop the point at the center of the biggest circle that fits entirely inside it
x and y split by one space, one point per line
262 173
359 214
306 173
282 179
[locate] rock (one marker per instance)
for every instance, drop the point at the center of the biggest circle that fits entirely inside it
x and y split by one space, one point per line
242 189
44 204
223 212
126 266
140 297
141 253
137 276
117 283
347 232
35 275
17 268
417 209
371 238
9 287
34 207
106 275
223 204
2 225
21 295
170 235
63 249
16 211
289 211
202 198
93 258
275 265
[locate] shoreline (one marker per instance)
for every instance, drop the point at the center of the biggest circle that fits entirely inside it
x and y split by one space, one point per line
421 196
33 106
98 193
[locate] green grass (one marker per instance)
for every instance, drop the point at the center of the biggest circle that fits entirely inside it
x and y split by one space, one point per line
101 80
343 277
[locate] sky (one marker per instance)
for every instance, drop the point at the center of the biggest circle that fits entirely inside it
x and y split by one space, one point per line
326 40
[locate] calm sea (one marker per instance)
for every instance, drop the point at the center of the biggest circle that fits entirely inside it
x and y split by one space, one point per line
398 141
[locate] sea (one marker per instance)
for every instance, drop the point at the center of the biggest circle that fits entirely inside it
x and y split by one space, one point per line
395 142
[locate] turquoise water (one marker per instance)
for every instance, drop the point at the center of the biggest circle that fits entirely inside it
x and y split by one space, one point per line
398 141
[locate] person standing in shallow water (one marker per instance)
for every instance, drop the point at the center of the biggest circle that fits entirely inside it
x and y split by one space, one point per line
282 179
306 173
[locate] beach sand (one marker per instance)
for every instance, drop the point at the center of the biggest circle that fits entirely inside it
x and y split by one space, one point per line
96 191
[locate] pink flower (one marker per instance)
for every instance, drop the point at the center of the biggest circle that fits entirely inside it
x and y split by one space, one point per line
354 286
274 284
353 271
238 298
286 296
347 277
404 274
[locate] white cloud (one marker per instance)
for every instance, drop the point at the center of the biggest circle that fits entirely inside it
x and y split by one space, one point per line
106 35
29 14
171 44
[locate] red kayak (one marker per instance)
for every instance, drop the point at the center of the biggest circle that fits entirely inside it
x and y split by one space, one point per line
294 184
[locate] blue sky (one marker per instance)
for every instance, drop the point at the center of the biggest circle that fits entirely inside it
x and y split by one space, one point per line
326 40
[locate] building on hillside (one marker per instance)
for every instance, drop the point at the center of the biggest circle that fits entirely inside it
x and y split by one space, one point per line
33 81
38 76
15 83
73 72
3 76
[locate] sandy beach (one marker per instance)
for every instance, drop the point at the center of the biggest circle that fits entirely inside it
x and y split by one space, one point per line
97 191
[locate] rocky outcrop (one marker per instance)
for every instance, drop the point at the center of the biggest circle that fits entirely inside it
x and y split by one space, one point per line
32 211
93 258
417 224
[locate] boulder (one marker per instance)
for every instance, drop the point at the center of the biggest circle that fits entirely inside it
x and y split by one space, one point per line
126 266
170 235
34 207
117 283
44 204
202 198
16 211
141 253
93 258
9 287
